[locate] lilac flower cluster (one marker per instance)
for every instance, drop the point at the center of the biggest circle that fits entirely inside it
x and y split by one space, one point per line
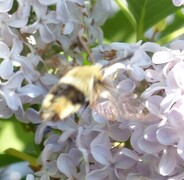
137 136
178 2
136 133
29 32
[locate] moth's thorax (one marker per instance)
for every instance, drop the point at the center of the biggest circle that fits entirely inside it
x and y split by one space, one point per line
83 78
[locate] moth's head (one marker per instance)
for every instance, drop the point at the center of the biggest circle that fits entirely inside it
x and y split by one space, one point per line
45 112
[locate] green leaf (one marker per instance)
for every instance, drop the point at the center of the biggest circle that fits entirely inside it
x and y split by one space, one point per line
149 12
14 134
126 11
173 30
118 28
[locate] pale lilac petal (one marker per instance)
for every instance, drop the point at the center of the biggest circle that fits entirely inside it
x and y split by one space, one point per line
136 136
106 4
51 168
66 134
113 69
15 171
153 104
30 90
48 2
20 115
151 47
130 153
100 14
102 138
76 155
40 10
101 154
70 125
30 28
49 79
175 118
98 174
149 147
40 133
33 116
177 44
5 6
100 149
30 177
46 34
15 22
50 18
23 10
125 159
140 59
124 162
178 2
30 74
167 135
46 153
168 162
119 134
8 34
136 72
156 87
12 99
4 50
62 11
52 139
162 57
68 28
5 112
168 102
65 165
177 73
152 75
6 69
150 133
14 81
180 147
16 48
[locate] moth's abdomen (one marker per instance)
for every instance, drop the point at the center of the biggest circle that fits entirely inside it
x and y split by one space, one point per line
61 101
66 90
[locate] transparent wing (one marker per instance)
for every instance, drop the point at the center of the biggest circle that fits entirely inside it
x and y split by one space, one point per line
122 108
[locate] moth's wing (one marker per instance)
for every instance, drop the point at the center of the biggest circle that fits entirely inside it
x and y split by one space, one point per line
61 101
106 110
127 108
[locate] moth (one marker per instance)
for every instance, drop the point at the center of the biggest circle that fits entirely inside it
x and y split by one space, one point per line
80 86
